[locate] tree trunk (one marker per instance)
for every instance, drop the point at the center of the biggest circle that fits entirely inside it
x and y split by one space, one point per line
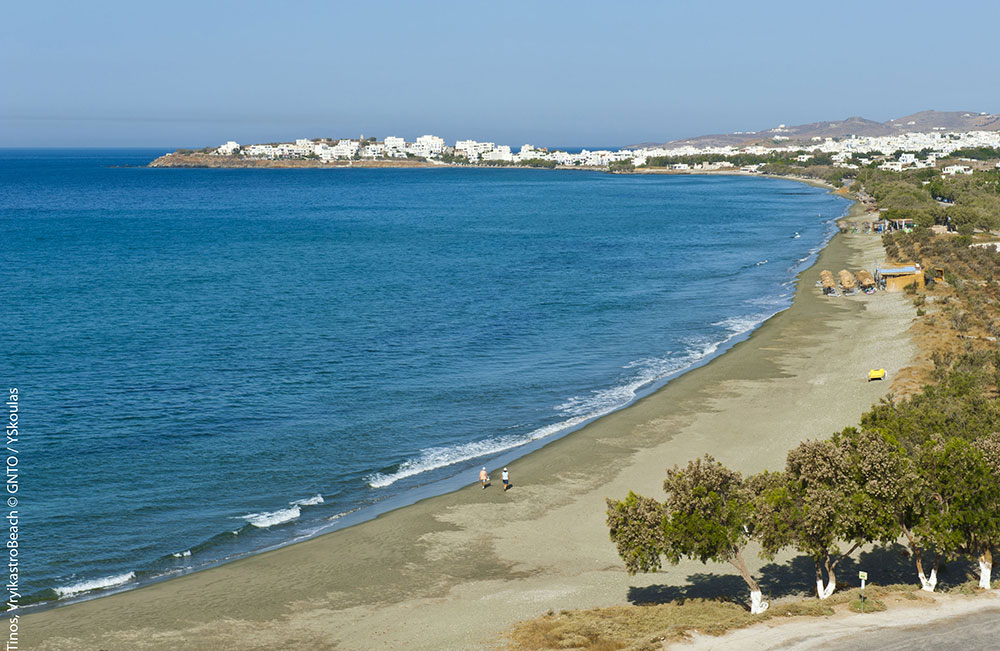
824 591
927 584
756 605
985 568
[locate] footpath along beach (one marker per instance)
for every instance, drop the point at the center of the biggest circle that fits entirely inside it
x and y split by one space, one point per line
456 571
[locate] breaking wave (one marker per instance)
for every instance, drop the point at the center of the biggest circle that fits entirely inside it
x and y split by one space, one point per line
95 584
309 501
271 518
576 411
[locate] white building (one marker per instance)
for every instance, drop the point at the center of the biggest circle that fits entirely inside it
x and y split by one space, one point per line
261 151
228 149
373 150
432 145
499 153
395 147
474 150
345 148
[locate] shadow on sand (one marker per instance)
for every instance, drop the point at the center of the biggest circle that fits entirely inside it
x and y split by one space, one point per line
886 565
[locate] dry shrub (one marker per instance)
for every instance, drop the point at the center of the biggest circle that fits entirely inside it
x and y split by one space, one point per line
642 628
629 627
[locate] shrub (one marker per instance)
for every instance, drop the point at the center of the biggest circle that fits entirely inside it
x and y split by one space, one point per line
870 606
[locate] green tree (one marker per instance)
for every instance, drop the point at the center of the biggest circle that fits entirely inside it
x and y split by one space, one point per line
842 489
620 166
960 493
707 516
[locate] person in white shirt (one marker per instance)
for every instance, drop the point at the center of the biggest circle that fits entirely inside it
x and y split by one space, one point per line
506 479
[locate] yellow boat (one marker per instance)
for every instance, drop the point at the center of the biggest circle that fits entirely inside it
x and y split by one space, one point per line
876 374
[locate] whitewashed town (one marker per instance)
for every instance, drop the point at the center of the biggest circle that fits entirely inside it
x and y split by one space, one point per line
921 149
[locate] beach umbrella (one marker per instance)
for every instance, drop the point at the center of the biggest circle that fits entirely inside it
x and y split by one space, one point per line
826 279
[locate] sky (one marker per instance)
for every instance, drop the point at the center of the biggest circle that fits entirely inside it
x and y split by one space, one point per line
550 73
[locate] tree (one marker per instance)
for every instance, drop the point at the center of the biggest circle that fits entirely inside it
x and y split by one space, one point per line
960 492
620 166
989 446
707 516
842 489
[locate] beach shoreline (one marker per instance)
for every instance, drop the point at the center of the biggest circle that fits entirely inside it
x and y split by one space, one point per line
443 556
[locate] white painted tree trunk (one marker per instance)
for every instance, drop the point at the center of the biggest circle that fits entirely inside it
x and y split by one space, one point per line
756 605
928 584
824 592
985 569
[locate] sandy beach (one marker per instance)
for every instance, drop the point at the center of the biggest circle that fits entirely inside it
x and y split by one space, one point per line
456 571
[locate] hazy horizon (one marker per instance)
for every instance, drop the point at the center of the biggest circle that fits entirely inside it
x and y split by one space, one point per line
116 74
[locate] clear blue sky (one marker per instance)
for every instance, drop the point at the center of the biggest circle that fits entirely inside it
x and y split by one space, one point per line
184 74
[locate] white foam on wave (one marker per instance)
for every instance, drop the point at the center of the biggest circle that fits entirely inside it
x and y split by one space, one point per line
266 519
95 584
578 410
309 501
439 457
738 325
181 554
338 516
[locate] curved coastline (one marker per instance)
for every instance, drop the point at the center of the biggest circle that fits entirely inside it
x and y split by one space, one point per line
454 539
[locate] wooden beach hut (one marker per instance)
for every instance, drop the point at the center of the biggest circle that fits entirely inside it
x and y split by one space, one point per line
827 281
894 277
846 280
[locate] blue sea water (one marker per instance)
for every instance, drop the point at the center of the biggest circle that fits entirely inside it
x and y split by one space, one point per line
216 362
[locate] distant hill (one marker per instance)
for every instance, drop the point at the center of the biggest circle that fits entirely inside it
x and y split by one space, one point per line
925 121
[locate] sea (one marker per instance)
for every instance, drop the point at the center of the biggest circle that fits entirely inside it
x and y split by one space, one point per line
212 363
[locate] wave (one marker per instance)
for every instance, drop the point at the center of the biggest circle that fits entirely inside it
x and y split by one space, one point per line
309 501
738 325
751 265
337 516
577 410
181 554
95 584
266 519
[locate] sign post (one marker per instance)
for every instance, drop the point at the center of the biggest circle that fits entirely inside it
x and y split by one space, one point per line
864 577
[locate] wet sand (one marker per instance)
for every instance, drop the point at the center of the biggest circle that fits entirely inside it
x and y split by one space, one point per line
456 571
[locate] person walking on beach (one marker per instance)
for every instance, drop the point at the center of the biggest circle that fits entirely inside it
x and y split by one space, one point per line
483 477
506 479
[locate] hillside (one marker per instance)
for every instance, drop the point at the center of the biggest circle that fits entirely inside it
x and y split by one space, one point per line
923 121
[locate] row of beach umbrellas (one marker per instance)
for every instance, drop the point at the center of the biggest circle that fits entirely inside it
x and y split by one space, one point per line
848 281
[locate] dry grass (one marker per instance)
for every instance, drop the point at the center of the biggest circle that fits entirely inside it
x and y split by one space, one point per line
953 318
649 626
629 627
